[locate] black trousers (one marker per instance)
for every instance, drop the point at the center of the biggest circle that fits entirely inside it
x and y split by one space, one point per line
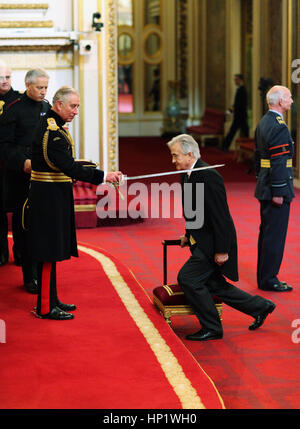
3 223
271 241
237 124
3 236
200 278
47 296
21 235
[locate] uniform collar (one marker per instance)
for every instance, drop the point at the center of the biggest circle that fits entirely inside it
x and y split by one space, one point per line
277 113
6 95
60 122
30 100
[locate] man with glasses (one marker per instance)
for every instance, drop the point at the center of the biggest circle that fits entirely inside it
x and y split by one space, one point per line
7 96
51 202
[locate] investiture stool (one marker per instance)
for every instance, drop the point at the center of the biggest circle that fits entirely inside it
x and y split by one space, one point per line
51 205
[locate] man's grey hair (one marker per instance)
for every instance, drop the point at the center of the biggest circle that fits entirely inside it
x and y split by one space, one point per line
188 144
32 75
275 94
63 94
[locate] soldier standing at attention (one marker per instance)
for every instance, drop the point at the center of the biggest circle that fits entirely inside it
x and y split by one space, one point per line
7 96
274 190
18 125
52 217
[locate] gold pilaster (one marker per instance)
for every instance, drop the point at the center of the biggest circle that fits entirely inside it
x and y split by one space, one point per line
111 90
100 92
81 81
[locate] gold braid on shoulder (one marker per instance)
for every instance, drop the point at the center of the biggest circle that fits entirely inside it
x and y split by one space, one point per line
68 136
45 144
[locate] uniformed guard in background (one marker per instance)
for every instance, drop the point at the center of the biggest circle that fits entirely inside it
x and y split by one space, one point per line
51 204
18 125
274 190
7 96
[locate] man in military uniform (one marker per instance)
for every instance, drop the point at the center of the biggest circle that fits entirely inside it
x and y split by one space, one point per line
274 190
7 96
51 204
18 126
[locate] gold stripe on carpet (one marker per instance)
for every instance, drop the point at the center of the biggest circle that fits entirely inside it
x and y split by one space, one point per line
173 371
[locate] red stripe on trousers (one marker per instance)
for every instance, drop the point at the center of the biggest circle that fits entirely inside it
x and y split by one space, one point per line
45 288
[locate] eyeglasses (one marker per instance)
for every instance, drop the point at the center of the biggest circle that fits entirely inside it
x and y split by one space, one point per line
5 77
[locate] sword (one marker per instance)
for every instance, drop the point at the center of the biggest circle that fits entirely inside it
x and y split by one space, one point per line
167 173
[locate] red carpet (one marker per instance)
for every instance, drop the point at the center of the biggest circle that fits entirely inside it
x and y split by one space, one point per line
252 370
117 353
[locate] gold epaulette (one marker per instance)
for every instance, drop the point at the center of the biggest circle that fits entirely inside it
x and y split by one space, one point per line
1 106
280 120
52 125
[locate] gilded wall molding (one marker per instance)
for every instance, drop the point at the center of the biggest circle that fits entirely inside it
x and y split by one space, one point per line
51 60
34 48
14 6
112 84
26 24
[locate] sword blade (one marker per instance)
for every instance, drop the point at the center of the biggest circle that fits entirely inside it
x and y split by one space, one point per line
167 173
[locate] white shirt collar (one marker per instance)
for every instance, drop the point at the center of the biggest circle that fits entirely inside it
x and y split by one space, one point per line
275 111
189 172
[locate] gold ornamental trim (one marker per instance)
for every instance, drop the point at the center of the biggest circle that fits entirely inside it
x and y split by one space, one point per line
85 208
48 176
266 163
26 24
171 367
171 292
24 6
45 151
112 84
33 48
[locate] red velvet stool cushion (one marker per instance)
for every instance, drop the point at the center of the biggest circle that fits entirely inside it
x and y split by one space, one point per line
173 295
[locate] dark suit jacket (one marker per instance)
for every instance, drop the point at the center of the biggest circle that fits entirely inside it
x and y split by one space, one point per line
217 234
240 103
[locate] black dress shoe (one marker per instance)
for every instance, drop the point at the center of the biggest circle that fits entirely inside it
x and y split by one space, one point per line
31 287
57 314
204 335
262 316
277 287
65 307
